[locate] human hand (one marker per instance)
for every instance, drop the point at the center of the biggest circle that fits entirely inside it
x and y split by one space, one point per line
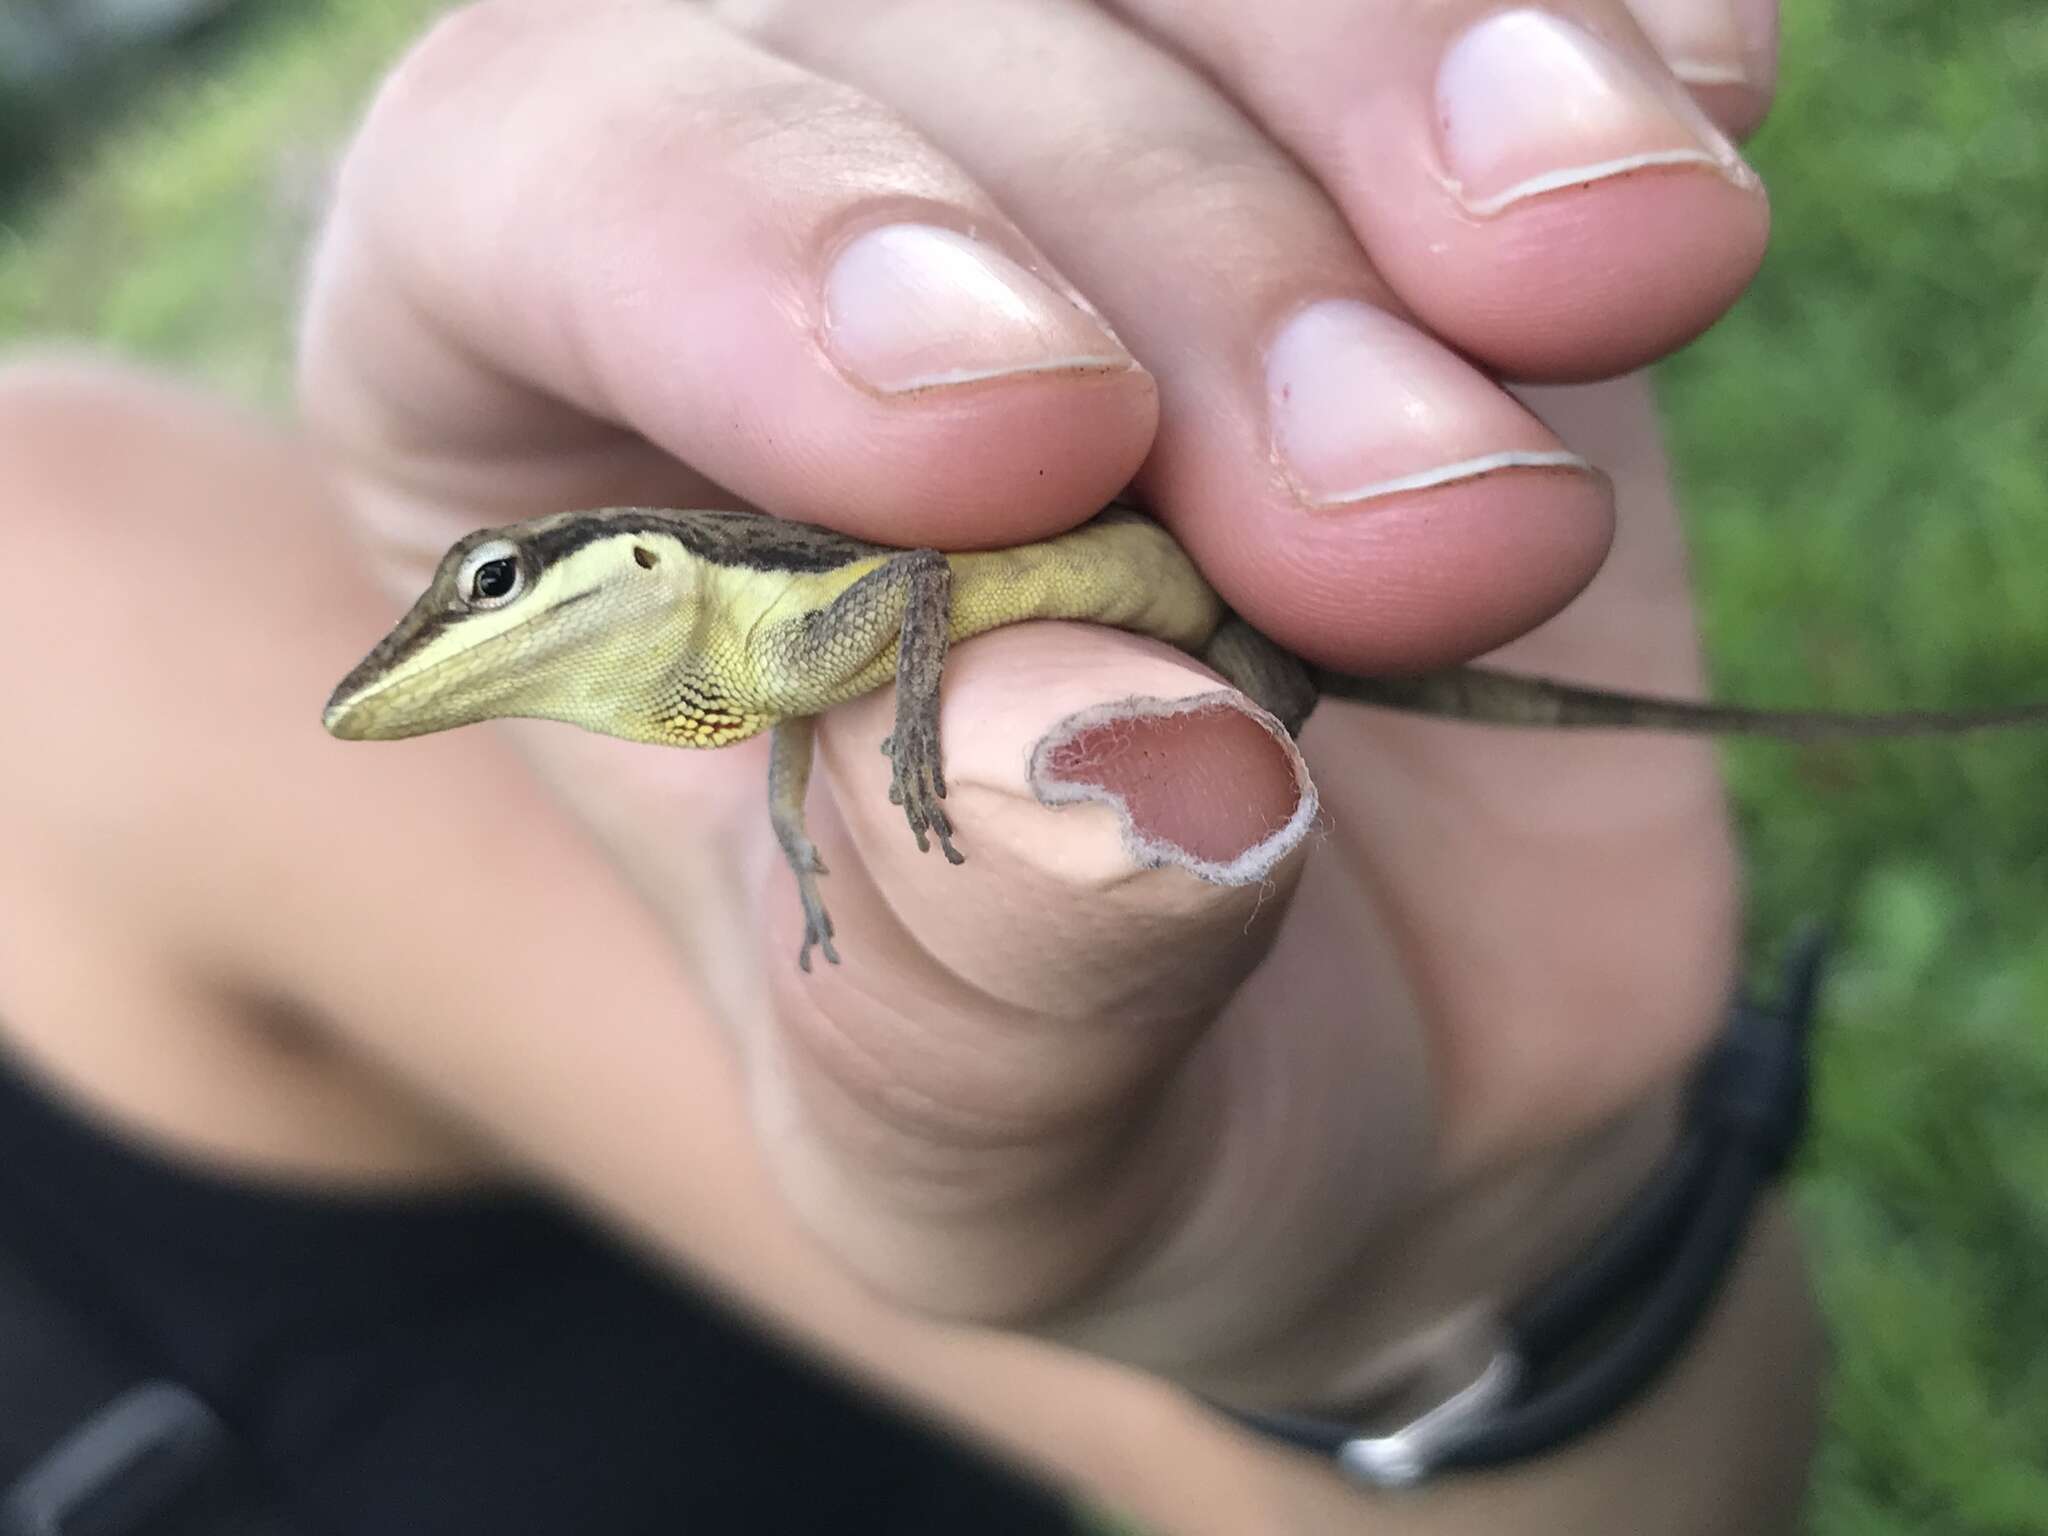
825 260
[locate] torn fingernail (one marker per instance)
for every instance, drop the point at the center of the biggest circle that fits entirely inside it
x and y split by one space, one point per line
912 307
1364 407
1208 784
1529 103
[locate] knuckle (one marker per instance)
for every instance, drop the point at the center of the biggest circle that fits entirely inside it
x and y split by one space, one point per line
1232 206
829 140
1224 176
673 79
454 47
694 133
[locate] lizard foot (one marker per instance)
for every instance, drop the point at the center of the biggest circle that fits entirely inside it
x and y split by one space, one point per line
805 862
817 922
919 784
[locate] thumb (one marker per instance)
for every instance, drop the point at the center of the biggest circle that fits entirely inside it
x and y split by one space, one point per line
977 1107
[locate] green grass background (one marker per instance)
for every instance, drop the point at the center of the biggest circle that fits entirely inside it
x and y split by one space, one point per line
1863 447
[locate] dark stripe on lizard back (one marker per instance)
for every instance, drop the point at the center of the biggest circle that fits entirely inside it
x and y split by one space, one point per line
745 540
736 540
751 540
739 540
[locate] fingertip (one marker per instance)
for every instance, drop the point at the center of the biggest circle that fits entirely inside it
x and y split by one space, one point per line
1405 511
1591 281
1420 578
1737 107
908 385
1724 51
1559 205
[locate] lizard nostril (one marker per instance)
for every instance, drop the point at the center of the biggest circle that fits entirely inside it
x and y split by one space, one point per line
644 557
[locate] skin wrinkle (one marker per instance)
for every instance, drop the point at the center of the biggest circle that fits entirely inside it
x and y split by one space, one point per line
996 1264
1000 1016
1251 1221
1101 1188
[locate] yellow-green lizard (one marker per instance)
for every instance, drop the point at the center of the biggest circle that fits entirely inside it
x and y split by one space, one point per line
702 628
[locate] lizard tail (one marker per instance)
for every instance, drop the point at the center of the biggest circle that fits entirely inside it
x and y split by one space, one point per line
1492 697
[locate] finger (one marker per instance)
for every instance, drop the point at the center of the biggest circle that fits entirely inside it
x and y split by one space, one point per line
1726 52
1532 181
973 1107
1609 856
563 232
1356 490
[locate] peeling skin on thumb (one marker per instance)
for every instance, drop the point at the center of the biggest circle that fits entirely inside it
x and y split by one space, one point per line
1210 784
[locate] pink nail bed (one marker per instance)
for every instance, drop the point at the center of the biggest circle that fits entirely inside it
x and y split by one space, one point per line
1529 103
911 307
1366 407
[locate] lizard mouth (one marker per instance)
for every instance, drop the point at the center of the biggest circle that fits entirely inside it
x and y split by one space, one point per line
387 698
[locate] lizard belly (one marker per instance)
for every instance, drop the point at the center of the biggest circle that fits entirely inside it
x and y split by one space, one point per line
1126 573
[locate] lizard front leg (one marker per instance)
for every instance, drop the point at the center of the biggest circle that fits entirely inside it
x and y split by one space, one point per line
919 781
839 652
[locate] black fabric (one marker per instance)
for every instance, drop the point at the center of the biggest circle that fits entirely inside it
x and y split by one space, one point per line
435 1365
68 1361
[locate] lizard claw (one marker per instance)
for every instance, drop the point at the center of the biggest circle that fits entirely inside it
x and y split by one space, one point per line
919 784
817 932
823 941
817 922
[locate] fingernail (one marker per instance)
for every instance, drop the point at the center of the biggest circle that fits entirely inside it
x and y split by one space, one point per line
911 307
1528 103
1757 21
1366 407
1701 40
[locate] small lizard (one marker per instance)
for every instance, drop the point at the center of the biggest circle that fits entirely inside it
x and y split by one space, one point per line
702 628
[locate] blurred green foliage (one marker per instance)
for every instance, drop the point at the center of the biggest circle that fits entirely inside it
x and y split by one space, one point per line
177 235
1863 447
62 62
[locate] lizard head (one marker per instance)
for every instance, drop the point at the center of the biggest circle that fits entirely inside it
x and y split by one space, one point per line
553 619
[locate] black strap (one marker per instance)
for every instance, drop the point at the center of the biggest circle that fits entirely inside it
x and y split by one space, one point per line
55 1368
1567 1363
92 1447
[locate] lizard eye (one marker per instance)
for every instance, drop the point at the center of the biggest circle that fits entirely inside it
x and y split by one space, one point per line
491 575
